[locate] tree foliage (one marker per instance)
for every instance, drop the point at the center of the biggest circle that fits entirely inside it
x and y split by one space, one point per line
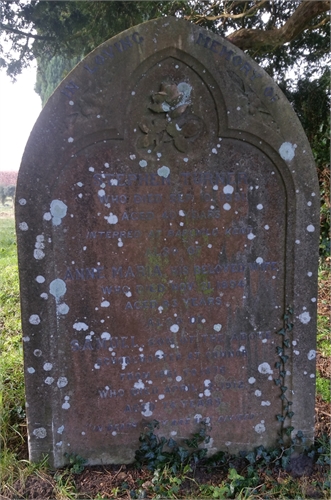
280 30
289 38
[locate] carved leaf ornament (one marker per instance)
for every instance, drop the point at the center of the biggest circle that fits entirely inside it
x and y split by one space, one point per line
170 119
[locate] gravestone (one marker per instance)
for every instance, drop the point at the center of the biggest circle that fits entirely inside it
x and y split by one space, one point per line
167 217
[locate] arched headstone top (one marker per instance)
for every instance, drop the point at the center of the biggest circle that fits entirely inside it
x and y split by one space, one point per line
167 216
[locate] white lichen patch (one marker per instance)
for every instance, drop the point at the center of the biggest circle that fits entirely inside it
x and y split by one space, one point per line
40 279
37 353
38 254
265 403
22 201
163 171
228 189
217 327
181 213
310 228
143 163
62 382
251 380
304 317
105 335
174 328
147 410
251 236
66 404
40 432
31 370
139 385
287 151
311 355
111 218
47 367
260 428
105 303
34 319
58 211
60 429
197 418
57 288
23 226
80 326
62 308
227 206
159 354
49 380
47 216
258 393
265 368
259 260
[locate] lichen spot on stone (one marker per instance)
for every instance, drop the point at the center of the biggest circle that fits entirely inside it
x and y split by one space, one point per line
111 218
311 355
23 226
260 428
147 410
304 317
265 368
57 288
40 433
63 309
58 210
228 189
62 382
287 151
34 319
163 171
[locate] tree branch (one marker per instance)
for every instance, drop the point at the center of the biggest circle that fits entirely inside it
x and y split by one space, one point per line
6 27
225 15
269 40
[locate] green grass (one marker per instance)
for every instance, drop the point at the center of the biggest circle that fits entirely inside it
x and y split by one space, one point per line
255 482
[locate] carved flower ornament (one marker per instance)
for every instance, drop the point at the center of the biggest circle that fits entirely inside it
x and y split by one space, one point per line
171 119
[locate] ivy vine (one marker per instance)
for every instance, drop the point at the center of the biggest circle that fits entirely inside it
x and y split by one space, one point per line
287 412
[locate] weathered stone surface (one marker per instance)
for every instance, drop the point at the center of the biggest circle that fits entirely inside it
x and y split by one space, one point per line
167 215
